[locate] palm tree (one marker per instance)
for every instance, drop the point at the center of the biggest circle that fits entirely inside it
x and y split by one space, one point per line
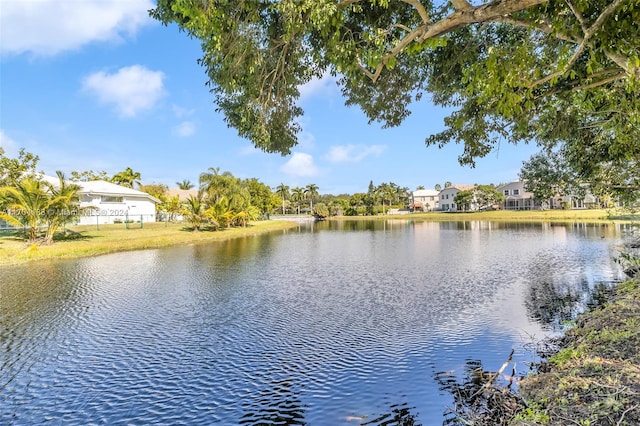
438 187
283 191
385 191
246 215
193 212
217 185
297 195
127 178
220 213
419 187
63 206
26 202
311 191
185 184
172 206
402 194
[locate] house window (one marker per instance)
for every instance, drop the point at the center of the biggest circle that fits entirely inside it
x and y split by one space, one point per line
506 192
516 192
110 199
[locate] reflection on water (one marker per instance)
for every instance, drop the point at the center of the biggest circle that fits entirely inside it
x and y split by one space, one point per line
332 323
276 405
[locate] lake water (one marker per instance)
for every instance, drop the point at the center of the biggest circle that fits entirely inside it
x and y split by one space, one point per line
336 323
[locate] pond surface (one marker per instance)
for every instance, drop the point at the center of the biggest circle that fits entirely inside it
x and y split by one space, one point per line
328 324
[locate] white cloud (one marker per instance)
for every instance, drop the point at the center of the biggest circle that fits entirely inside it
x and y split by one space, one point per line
300 164
132 89
250 150
182 112
325 85
7 144
48 27
184 129
353 153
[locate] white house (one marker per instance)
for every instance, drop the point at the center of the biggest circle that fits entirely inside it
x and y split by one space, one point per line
114 203
517 198
573 201
448 195
110 203
424 200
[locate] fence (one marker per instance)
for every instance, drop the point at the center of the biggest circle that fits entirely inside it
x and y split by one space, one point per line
97 220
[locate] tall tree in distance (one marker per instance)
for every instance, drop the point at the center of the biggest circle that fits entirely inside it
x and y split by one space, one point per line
185 184
12 170
297 195
88 175
127 177
283 191
547 174
311 192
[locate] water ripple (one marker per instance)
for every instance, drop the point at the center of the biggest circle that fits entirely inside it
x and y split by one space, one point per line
317 328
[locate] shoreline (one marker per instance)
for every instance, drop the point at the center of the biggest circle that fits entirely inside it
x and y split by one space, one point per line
594 376
86 241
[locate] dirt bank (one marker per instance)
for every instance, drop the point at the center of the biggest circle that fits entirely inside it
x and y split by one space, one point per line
594 378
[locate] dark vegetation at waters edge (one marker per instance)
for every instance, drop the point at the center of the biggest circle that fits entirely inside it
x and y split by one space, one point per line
589 376
594 378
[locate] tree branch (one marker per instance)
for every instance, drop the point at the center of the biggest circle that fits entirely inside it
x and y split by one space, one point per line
346 3
564 69
588 33
543 27
496 11
424 15
619 76
604 15
578 15
413 35
461 4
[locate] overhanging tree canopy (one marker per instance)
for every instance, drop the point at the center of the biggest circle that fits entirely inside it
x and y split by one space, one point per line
520 70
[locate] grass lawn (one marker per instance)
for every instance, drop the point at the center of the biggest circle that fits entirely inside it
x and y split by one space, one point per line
85 241
594 215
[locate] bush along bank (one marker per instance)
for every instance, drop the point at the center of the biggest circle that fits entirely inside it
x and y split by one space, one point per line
589 376
594 377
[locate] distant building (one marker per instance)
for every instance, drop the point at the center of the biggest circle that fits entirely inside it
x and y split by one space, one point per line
183 194
424 200
113 203
110 203
517 198
447 198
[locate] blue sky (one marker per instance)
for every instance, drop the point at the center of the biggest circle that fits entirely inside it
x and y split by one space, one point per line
99 85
